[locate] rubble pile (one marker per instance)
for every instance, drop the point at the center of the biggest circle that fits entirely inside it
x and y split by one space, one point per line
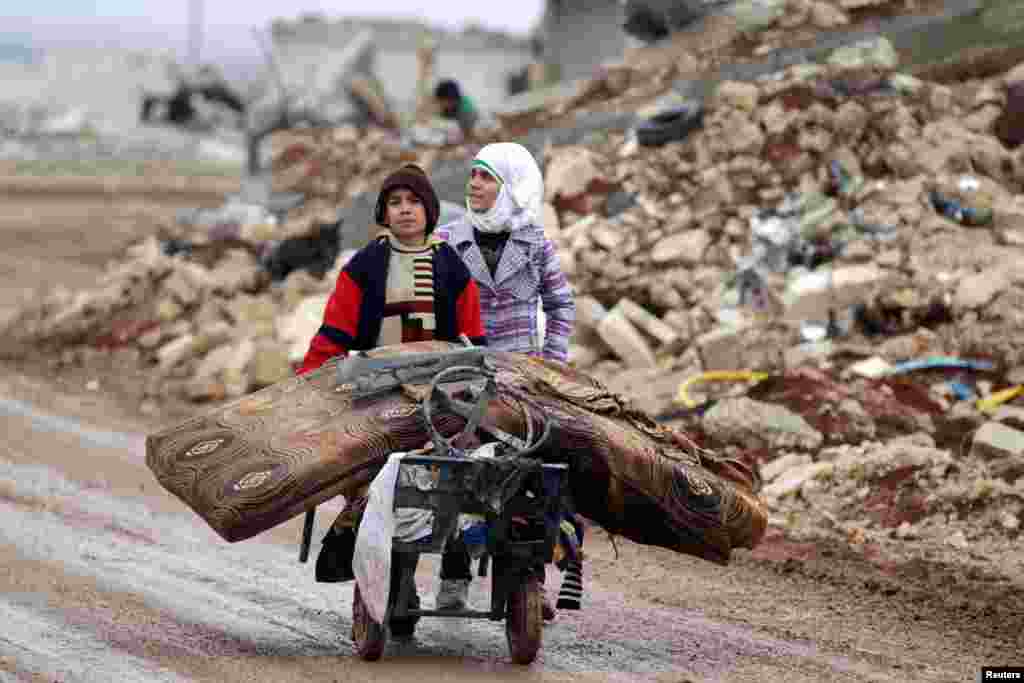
820 274
209 326
836 252
768 25
801 197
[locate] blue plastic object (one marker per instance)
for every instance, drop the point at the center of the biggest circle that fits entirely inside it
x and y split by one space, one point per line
941 362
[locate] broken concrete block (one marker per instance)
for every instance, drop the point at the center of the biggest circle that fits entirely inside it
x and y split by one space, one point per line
773 468
256 313
584 357
213 363
570 173
1011 416
1002 447
794 479
625 340
298 329
199 390
168 309
236 379
180 289
688 247
722 348
175 352
755 425
589 313
607 236
826 16
736 94
976 291
269 365
811 296
647 321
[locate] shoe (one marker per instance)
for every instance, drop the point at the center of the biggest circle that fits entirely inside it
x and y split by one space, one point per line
453 595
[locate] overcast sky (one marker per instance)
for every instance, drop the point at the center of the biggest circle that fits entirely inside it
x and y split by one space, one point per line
227 22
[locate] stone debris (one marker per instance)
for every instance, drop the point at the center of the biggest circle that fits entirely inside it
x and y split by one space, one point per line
828 227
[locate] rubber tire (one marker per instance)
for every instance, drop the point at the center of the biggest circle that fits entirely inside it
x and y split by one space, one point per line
672 125
368 636
524 625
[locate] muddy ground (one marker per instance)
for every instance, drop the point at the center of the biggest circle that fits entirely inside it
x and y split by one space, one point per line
108 577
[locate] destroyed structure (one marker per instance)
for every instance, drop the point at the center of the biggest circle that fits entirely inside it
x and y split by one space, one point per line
819 274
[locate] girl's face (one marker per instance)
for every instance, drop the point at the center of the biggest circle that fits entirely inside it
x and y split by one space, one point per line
482 190
406 216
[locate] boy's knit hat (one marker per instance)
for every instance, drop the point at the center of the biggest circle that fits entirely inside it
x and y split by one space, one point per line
414 179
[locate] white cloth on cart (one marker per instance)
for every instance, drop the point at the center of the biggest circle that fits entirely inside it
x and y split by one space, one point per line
380 525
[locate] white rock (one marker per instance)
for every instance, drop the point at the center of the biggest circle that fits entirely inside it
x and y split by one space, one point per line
647 321
755 424
737 94
793 479
173 353
1002 447
298 329
825 15
958 540
625 340
772 469
688 247
976 291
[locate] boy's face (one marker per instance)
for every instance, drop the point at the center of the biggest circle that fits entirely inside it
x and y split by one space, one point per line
406 216
482 190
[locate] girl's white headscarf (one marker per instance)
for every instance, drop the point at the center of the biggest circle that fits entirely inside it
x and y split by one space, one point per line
522 188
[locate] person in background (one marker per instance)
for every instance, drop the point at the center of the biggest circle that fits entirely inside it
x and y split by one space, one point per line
405 286
518 272
457 106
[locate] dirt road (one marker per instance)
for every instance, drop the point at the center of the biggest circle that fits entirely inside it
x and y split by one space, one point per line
106 577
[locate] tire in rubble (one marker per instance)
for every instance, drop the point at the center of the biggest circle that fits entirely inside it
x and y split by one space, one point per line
671 125
524 625
368 636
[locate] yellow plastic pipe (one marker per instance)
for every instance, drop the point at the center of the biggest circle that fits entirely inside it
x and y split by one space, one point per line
989 404
683 396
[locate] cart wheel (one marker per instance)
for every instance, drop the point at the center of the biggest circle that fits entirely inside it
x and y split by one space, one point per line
369 636
523 623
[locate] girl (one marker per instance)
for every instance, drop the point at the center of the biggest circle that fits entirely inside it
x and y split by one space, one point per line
516 267
517 270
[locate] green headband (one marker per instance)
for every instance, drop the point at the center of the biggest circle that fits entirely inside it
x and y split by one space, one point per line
480 163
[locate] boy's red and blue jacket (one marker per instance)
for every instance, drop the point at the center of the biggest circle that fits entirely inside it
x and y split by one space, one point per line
355 310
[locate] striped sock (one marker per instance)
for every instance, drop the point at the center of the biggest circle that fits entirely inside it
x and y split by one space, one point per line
571 592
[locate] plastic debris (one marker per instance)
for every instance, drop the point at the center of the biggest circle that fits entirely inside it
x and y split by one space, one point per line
683 395
990 403
938 362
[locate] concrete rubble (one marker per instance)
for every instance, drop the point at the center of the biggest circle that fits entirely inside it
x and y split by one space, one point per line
847 231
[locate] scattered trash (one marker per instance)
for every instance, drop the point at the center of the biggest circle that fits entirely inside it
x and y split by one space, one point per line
314 253
962 391
872 368
990 403
844 184
957 211
683 395
940 362
672 125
